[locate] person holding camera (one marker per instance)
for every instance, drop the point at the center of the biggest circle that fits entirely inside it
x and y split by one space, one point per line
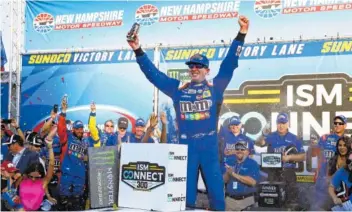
6 133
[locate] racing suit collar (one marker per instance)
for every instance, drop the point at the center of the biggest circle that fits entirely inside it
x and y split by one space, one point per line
199 83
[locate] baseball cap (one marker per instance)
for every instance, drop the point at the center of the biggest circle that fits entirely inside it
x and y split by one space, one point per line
198 59
29 135
11 140
235 120
36 141
342 118
282 118
140 123
77 124
241 145
122 122
8 166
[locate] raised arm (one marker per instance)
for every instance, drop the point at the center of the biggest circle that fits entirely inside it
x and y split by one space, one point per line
230 63
61 126
92 125
163 119
49 144
159 79
153 122
47 125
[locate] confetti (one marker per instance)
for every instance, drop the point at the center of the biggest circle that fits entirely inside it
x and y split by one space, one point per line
62 79
30 103
39 99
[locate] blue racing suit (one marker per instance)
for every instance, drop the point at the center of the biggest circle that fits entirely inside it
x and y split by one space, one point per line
197 107
73 167
327 143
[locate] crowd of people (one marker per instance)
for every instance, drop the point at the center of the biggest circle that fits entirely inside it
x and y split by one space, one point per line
48 169
54 160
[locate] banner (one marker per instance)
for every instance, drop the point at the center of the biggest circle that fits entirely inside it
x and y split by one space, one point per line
103 177
104 24
312 84
110 79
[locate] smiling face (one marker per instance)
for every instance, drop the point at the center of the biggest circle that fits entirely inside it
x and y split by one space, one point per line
282 128
342 147
197 72
339 126
109 127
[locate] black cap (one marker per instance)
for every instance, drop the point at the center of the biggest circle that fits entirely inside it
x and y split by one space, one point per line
36 141
13 139
122 122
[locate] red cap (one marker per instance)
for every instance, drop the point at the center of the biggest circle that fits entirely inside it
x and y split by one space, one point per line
8 166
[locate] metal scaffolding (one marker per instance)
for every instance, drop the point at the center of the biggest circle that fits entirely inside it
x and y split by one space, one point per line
17 20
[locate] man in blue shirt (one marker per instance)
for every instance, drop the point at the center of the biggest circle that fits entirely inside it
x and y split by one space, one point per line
291 148
122 135
327 142
233 136
197 105
140 136
241 178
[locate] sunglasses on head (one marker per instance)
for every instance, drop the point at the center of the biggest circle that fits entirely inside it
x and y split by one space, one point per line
339 123
195 65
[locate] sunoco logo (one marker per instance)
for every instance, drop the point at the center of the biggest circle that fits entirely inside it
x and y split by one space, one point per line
143 176
171 198
172 178
172 156
272 160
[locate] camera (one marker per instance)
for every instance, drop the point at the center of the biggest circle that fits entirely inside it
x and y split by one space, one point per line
55 108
